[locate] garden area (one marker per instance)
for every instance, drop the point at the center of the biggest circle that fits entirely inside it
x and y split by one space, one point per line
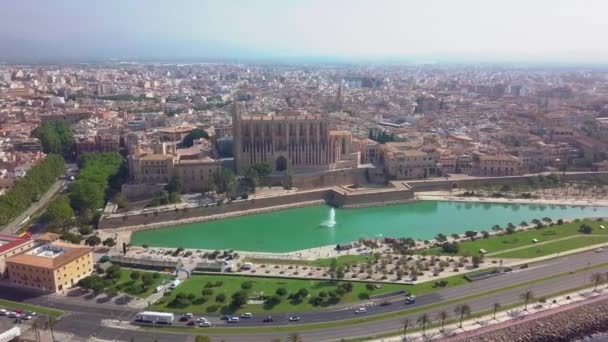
233 294
570 235
116 279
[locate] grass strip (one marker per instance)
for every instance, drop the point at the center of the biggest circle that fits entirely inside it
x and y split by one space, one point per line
342 323
8 304
478 314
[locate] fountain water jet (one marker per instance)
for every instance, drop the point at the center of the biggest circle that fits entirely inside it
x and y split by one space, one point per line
331 219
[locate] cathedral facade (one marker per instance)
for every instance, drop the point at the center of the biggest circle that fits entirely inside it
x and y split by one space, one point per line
293 140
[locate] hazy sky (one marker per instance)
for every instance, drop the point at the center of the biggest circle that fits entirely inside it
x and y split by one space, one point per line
557 30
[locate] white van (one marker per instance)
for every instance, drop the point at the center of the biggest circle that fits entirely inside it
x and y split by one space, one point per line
175 284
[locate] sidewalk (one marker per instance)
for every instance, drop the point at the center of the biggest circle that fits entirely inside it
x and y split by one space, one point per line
514 316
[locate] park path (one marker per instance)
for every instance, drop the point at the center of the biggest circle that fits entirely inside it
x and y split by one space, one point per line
542 243
13 226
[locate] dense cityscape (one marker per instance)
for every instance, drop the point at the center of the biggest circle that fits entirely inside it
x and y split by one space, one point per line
310 172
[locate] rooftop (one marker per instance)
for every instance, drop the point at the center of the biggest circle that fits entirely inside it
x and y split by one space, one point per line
50 256
8 242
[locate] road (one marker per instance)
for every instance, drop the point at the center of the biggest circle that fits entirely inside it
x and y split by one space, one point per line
15 224
85 317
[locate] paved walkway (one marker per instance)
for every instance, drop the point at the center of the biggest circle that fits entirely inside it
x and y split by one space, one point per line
503 319
16 223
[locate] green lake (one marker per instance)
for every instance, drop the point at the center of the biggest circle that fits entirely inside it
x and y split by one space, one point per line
294 229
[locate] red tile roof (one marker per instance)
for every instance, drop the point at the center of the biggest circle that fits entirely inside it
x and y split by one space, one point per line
11 242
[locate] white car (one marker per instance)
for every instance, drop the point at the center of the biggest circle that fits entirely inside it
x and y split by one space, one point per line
246 315
233 320
26 317
13 314
294 318
204 324
361 310
201 319
598 250
3 312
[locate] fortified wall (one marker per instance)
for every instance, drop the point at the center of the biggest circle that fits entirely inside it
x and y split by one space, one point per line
336 196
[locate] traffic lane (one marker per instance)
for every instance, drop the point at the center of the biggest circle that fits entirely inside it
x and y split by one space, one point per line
534 271
394 324
376 327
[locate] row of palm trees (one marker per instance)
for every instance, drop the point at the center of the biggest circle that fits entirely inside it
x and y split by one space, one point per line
461 311
464 310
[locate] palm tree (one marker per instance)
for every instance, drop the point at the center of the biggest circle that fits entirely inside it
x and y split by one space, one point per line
294 337
462 310
496 308
406 324
423 320
527 297
442 316
50 324
596 279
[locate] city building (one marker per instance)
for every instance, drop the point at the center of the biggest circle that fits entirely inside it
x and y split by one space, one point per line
494 165
405 160
292 140
11 245
50 267
194 165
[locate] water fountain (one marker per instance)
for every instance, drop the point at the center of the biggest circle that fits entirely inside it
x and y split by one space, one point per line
331 219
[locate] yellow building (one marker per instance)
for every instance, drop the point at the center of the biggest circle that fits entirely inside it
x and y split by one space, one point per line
51 267
11 245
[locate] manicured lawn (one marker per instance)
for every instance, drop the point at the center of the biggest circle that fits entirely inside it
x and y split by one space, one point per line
554 247
7 304
268 286
127 285
518 239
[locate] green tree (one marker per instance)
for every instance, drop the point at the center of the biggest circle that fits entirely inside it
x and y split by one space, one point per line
147 279
294 337
29 189
113 272
406 323
527 297
196 134
59 213
462 310
596 279
175 183
442 316
423 320
56 137
109 242
93 241
333 269
121 201
239 299
135 275
496 308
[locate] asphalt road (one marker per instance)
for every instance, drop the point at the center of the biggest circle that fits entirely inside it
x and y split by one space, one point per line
84 317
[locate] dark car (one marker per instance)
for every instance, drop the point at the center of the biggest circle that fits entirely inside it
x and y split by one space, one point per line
225 317
191 323
268 319
385 303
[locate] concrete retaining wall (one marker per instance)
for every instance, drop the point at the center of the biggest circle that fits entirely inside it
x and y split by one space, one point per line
333 196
